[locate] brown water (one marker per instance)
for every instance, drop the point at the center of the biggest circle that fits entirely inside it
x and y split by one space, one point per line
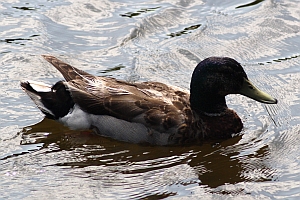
159 41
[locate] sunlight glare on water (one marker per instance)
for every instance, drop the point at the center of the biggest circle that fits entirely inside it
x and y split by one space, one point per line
150 41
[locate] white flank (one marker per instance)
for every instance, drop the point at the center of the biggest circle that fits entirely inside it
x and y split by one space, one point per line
76 119
112 127
127 131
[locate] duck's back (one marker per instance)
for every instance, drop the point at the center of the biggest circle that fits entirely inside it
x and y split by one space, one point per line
147 112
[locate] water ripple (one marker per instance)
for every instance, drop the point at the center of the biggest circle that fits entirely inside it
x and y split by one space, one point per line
142 40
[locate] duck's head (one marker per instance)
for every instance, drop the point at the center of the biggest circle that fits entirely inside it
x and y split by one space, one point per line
216 77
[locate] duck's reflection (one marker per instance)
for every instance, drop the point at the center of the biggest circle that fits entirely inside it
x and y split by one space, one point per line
209 165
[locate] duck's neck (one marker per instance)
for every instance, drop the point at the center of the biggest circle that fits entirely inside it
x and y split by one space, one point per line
208 104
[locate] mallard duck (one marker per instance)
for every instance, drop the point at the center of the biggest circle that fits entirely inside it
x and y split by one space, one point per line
148 112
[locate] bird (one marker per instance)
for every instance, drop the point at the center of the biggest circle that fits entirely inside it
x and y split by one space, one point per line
148 112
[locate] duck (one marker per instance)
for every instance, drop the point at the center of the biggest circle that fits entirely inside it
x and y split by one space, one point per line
148 112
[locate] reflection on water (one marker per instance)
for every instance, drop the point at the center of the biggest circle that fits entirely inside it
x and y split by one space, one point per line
132 168
158 41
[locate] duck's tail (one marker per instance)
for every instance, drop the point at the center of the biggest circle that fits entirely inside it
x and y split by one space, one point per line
55 102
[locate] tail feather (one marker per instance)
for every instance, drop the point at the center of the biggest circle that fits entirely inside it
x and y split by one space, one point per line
55 102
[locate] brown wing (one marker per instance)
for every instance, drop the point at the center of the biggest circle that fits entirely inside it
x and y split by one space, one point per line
69 72
177 95
128 102
151 103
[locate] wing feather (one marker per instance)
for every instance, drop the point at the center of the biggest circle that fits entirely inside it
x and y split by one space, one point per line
69 72
151 103
128 104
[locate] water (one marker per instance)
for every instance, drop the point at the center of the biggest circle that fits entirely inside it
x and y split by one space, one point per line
159 41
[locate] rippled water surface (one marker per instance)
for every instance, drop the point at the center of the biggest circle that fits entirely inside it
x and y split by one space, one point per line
159 41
